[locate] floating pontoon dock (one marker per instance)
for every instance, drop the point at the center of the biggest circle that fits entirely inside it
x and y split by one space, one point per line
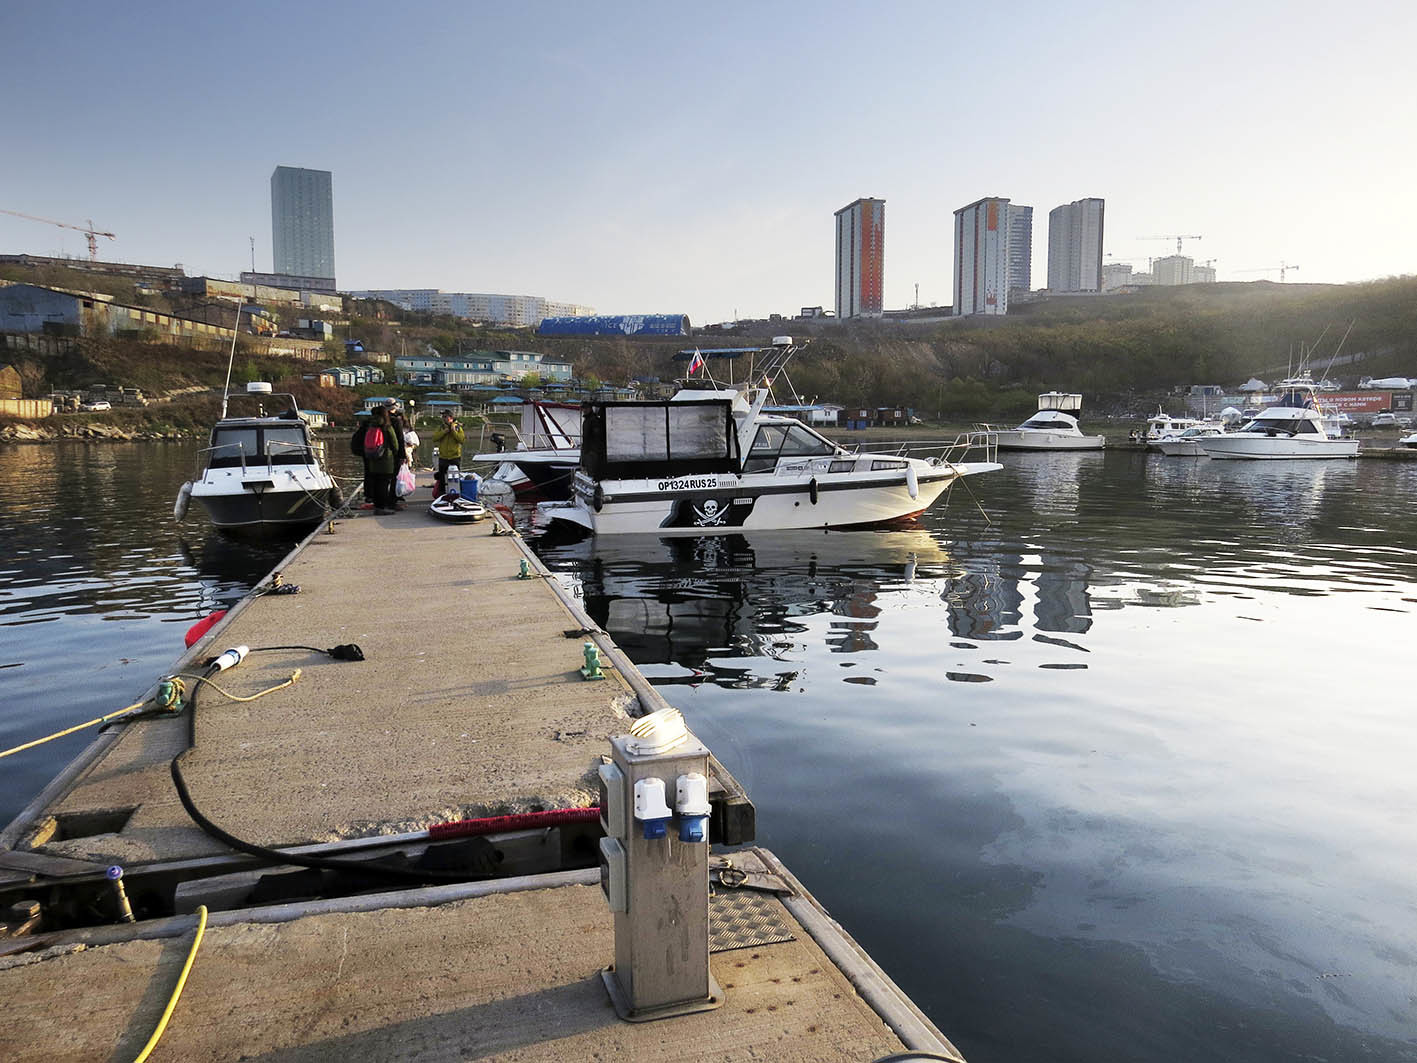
471 703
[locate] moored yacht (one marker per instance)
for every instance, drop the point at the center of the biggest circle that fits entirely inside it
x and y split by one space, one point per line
1187 444
263 473
713 462
1294 427
544 458
1051 428
1161 425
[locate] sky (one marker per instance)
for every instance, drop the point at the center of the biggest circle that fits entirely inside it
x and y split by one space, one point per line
675 158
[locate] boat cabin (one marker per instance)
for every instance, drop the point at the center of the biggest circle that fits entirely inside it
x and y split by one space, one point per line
655 440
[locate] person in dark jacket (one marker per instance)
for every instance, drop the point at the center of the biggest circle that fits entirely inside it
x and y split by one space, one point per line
384 466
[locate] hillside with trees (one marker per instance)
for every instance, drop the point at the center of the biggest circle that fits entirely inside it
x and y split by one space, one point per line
1116 349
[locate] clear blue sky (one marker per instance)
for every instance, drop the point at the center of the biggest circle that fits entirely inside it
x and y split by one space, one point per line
643 157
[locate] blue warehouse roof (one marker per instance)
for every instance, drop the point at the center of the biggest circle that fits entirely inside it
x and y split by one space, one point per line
617 325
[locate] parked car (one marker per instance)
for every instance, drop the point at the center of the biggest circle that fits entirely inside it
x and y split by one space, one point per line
1385 420
95 407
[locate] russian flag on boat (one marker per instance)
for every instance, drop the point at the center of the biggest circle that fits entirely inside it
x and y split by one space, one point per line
696 363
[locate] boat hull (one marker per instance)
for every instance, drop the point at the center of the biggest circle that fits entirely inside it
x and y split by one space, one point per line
1180 448
269 512
1013 439
1252 446
732 507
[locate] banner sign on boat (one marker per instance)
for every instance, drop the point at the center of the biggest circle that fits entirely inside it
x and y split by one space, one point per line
708 513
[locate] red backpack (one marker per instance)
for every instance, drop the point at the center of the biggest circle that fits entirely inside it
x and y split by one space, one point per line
375 445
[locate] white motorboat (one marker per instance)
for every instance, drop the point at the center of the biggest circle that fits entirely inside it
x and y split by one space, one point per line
1188 443
547 451
712 462
1162 425
1280 432
263 473
1048 430
1408 441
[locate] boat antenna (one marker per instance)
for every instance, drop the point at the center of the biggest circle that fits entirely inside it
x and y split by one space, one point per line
235 328
1315 345
1341 342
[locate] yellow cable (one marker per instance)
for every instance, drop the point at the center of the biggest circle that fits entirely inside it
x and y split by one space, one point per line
76 727
237 697
177 991
175 699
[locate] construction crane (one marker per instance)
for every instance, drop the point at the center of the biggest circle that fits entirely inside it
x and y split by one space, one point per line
1281 269
90 232
1178 239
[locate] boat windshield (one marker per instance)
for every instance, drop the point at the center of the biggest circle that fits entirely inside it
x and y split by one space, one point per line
776 441
1048 420
230 445
287 445
283 444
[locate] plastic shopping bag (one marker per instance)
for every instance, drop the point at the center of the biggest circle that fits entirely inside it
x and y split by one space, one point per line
404 482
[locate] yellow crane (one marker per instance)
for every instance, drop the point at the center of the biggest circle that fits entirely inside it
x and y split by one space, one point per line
1178 239
89 231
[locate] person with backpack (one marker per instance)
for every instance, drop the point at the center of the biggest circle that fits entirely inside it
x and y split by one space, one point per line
384 452
356 447
449 442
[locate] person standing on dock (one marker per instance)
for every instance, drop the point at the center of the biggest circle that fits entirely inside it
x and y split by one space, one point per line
449 442
384 450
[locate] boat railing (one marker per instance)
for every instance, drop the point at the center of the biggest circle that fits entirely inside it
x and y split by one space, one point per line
512 438
307 449
980 443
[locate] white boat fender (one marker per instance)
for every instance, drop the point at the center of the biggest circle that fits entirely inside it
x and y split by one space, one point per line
912 482
812 490
184 499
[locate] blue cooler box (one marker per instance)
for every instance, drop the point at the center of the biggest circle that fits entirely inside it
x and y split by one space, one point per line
467 487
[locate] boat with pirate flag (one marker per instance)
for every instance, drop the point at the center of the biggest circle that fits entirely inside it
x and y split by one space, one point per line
714 461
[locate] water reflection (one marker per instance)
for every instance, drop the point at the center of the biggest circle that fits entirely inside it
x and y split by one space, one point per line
1116 773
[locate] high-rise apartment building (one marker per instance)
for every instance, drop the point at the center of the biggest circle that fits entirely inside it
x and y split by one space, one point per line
1020 248
1173 269
985 265
303 222
860 258
1075 246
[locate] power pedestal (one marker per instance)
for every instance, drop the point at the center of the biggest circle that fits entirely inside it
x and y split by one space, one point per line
654 870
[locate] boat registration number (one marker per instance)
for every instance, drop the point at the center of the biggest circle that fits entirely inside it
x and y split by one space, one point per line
689 483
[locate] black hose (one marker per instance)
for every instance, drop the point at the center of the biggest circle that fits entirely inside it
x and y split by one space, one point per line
486 859
330 863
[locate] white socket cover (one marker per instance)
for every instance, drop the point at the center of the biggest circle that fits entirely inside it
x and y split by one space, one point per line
691 795
649 800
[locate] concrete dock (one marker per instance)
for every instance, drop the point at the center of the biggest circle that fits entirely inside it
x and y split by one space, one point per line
470 703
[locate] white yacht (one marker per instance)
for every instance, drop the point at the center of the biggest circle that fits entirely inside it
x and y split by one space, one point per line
712 462
1048 430
1295 427
1162 425
263 473
546 452
1188 443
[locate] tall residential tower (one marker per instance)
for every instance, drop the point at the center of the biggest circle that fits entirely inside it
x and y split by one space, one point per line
303 222
993 253
860 258
1075 246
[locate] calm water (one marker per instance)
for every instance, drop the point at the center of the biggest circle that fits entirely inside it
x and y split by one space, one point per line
1125 774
